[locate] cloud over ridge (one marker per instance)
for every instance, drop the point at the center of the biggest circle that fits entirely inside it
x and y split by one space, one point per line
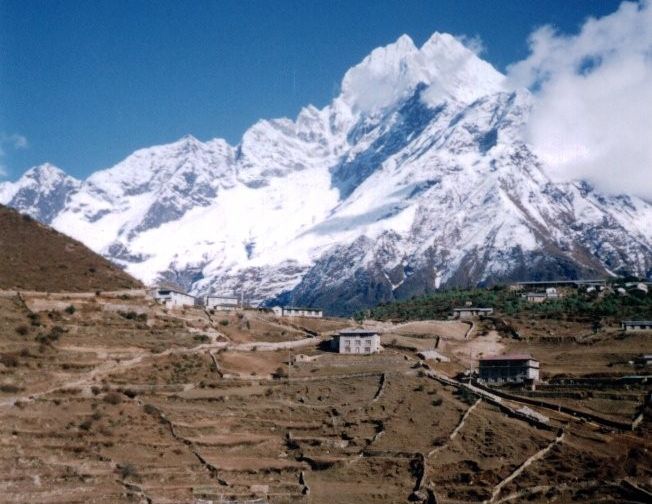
592 113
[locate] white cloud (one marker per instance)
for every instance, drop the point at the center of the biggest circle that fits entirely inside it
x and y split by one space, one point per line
13 141
473 43
592 113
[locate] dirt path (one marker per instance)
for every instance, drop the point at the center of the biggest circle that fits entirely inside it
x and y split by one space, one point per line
530 460
456 431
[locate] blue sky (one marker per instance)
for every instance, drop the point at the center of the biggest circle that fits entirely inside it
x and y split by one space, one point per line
87 83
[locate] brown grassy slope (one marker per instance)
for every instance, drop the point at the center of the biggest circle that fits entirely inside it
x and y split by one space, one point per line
36 257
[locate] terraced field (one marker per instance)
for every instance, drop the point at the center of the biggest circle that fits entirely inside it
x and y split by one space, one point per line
118 400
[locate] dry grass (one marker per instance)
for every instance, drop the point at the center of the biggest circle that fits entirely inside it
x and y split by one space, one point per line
117 408
36 257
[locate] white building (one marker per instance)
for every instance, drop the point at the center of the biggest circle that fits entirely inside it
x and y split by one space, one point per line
293 311
221 303
540 297
172 298
471 311
356 341
552 293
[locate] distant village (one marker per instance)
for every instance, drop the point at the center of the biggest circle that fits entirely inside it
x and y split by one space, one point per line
516 368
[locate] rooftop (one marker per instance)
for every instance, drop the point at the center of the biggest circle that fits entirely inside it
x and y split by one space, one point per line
637 322
472 308
511 357
563 282
357 332
166 290
301 308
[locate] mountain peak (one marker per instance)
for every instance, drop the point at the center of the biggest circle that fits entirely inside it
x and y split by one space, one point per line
45 170
448 68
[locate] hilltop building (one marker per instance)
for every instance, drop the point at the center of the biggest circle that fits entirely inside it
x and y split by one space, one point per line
636 325
356 341
293 311
539 284
540 297
471 311
221 303
510 368
173 298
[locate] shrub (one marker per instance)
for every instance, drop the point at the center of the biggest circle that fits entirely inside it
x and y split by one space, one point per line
22 329
224 322
150 409
34 319
465 396
437 401
70 310
127 471
130 393
132 315
53 335
9 389
56 332
8 360
280 373
86 424
112 398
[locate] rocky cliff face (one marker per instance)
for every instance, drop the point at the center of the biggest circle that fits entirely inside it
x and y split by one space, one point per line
414 178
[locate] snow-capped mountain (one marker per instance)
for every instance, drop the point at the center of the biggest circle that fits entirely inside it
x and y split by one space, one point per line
415 177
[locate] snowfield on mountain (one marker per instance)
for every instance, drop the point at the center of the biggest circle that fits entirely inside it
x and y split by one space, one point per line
414 178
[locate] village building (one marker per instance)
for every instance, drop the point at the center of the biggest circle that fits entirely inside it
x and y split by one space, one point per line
552 293
221 303
534 297
293 311
510 368
173 298
471 311
540 297
540 284
356 341
639 286
636 325
643 360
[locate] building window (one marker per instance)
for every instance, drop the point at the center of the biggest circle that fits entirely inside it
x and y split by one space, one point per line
367 349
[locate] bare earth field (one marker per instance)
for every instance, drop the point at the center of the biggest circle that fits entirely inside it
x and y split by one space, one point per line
110 398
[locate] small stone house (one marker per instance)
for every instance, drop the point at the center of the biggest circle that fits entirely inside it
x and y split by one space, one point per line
535 297
540 297
356 341
636 325
510 368
221 303
471 311
171 298
293 311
